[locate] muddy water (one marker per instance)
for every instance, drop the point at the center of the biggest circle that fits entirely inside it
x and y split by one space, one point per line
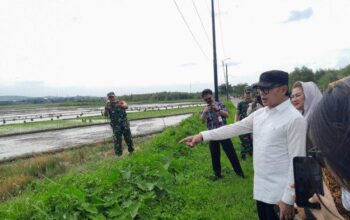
15 116
20 145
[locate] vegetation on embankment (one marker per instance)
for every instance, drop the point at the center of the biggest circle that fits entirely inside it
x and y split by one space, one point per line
164 180
86 121
16 174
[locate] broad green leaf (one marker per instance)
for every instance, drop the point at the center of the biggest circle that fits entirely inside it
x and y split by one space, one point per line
115 211
89 208
97 217
134 209
148 196
126 204
126 174
167 164
146 186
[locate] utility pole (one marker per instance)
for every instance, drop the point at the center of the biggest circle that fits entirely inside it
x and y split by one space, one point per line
214 52
224 66
226 79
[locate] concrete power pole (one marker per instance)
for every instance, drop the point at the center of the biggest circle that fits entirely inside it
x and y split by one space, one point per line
214 52
226 79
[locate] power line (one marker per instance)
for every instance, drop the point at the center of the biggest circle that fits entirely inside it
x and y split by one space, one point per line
200 19
189 29
206 3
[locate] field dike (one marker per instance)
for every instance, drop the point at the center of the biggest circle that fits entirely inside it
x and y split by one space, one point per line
162 180
37 127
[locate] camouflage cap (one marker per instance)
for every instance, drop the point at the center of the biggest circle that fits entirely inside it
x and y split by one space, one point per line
110 94
248 89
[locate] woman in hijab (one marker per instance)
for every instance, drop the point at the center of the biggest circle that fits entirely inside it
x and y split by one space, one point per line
305 97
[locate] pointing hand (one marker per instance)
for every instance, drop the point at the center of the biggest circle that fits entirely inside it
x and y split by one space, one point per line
191 141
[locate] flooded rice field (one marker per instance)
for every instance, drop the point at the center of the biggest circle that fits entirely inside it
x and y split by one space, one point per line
22 115
21 145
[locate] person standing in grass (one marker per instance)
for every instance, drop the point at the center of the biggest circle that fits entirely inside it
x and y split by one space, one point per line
241 112
215 114
279 134
115 110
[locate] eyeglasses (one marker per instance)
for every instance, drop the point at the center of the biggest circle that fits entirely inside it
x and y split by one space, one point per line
266 90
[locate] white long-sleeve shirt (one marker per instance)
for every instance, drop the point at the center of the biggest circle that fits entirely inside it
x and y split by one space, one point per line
279 134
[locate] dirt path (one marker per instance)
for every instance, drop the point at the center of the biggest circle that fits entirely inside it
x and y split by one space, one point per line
20 145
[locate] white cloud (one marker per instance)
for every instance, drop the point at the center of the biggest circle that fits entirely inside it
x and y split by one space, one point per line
138 44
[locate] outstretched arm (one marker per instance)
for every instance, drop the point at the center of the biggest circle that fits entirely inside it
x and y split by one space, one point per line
242 127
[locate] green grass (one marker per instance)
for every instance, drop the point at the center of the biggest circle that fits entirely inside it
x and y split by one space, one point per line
17 174
67 123
164 180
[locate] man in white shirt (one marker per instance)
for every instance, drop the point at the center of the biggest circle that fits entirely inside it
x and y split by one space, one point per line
279 133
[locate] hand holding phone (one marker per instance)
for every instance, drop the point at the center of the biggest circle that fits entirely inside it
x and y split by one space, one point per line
307 181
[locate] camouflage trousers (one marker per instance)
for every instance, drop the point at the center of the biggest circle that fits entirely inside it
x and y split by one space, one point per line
118 132
246 145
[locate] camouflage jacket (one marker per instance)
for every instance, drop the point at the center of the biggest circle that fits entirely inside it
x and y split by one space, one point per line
242 108
116 114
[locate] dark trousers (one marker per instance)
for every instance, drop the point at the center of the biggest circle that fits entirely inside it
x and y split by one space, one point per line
230 152
267 211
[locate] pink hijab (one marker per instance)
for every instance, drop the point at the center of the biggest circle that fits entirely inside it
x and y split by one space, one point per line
312 97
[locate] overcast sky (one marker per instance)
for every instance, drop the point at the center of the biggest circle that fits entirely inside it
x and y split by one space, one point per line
89 47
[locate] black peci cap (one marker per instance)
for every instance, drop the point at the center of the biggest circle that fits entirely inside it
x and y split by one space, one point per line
270 78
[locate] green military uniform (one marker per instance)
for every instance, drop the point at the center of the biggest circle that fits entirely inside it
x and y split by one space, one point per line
120 126
246 139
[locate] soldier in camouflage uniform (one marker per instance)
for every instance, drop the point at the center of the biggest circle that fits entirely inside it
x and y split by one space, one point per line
241 112
115 111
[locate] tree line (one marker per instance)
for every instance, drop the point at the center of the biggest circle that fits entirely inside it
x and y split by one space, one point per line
97 101
160 97
321 77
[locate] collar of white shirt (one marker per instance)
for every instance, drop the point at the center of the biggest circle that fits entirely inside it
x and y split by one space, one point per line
281 107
